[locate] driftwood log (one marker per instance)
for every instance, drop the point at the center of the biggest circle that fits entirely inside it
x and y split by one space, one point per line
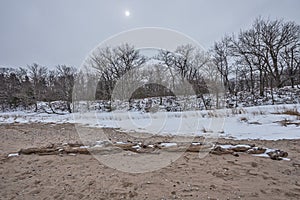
277 154
257 150
79 148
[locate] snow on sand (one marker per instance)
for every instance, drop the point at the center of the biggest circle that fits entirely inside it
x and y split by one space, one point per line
261 122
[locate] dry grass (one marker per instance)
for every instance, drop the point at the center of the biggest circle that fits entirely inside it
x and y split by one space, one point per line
212 114
292 112
255 123
260 112
287 122
204 130
244 119
237 111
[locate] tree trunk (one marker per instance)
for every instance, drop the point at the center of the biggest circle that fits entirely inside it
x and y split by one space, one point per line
261 83
69 107
272 94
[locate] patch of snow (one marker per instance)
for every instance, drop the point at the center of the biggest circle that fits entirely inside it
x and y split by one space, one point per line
136 147
187 123
229 146
13 155
121 143
196 143
100 143
168 144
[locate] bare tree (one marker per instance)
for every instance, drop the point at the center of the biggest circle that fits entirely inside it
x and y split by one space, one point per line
186 62
222 55
272 49
290 58
64 84
276 36
26 92
112 63
38 75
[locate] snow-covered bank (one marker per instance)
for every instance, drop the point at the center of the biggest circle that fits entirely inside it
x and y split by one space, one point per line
261 122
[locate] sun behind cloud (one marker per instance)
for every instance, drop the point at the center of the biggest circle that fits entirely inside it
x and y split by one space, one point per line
127 13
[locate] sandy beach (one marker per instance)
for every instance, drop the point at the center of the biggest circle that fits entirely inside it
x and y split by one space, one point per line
78 176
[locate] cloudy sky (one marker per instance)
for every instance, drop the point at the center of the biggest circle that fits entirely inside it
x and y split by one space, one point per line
52 32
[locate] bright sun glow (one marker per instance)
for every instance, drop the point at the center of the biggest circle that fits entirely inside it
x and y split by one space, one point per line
127 13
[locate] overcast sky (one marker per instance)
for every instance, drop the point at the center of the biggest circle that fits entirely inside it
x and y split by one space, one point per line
51 32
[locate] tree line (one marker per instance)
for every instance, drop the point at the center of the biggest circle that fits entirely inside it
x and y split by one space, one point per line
265 56
26 87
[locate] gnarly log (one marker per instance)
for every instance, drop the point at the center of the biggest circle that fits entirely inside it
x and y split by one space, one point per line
37 151
219 151
277 154
77 150
258 150
240 148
